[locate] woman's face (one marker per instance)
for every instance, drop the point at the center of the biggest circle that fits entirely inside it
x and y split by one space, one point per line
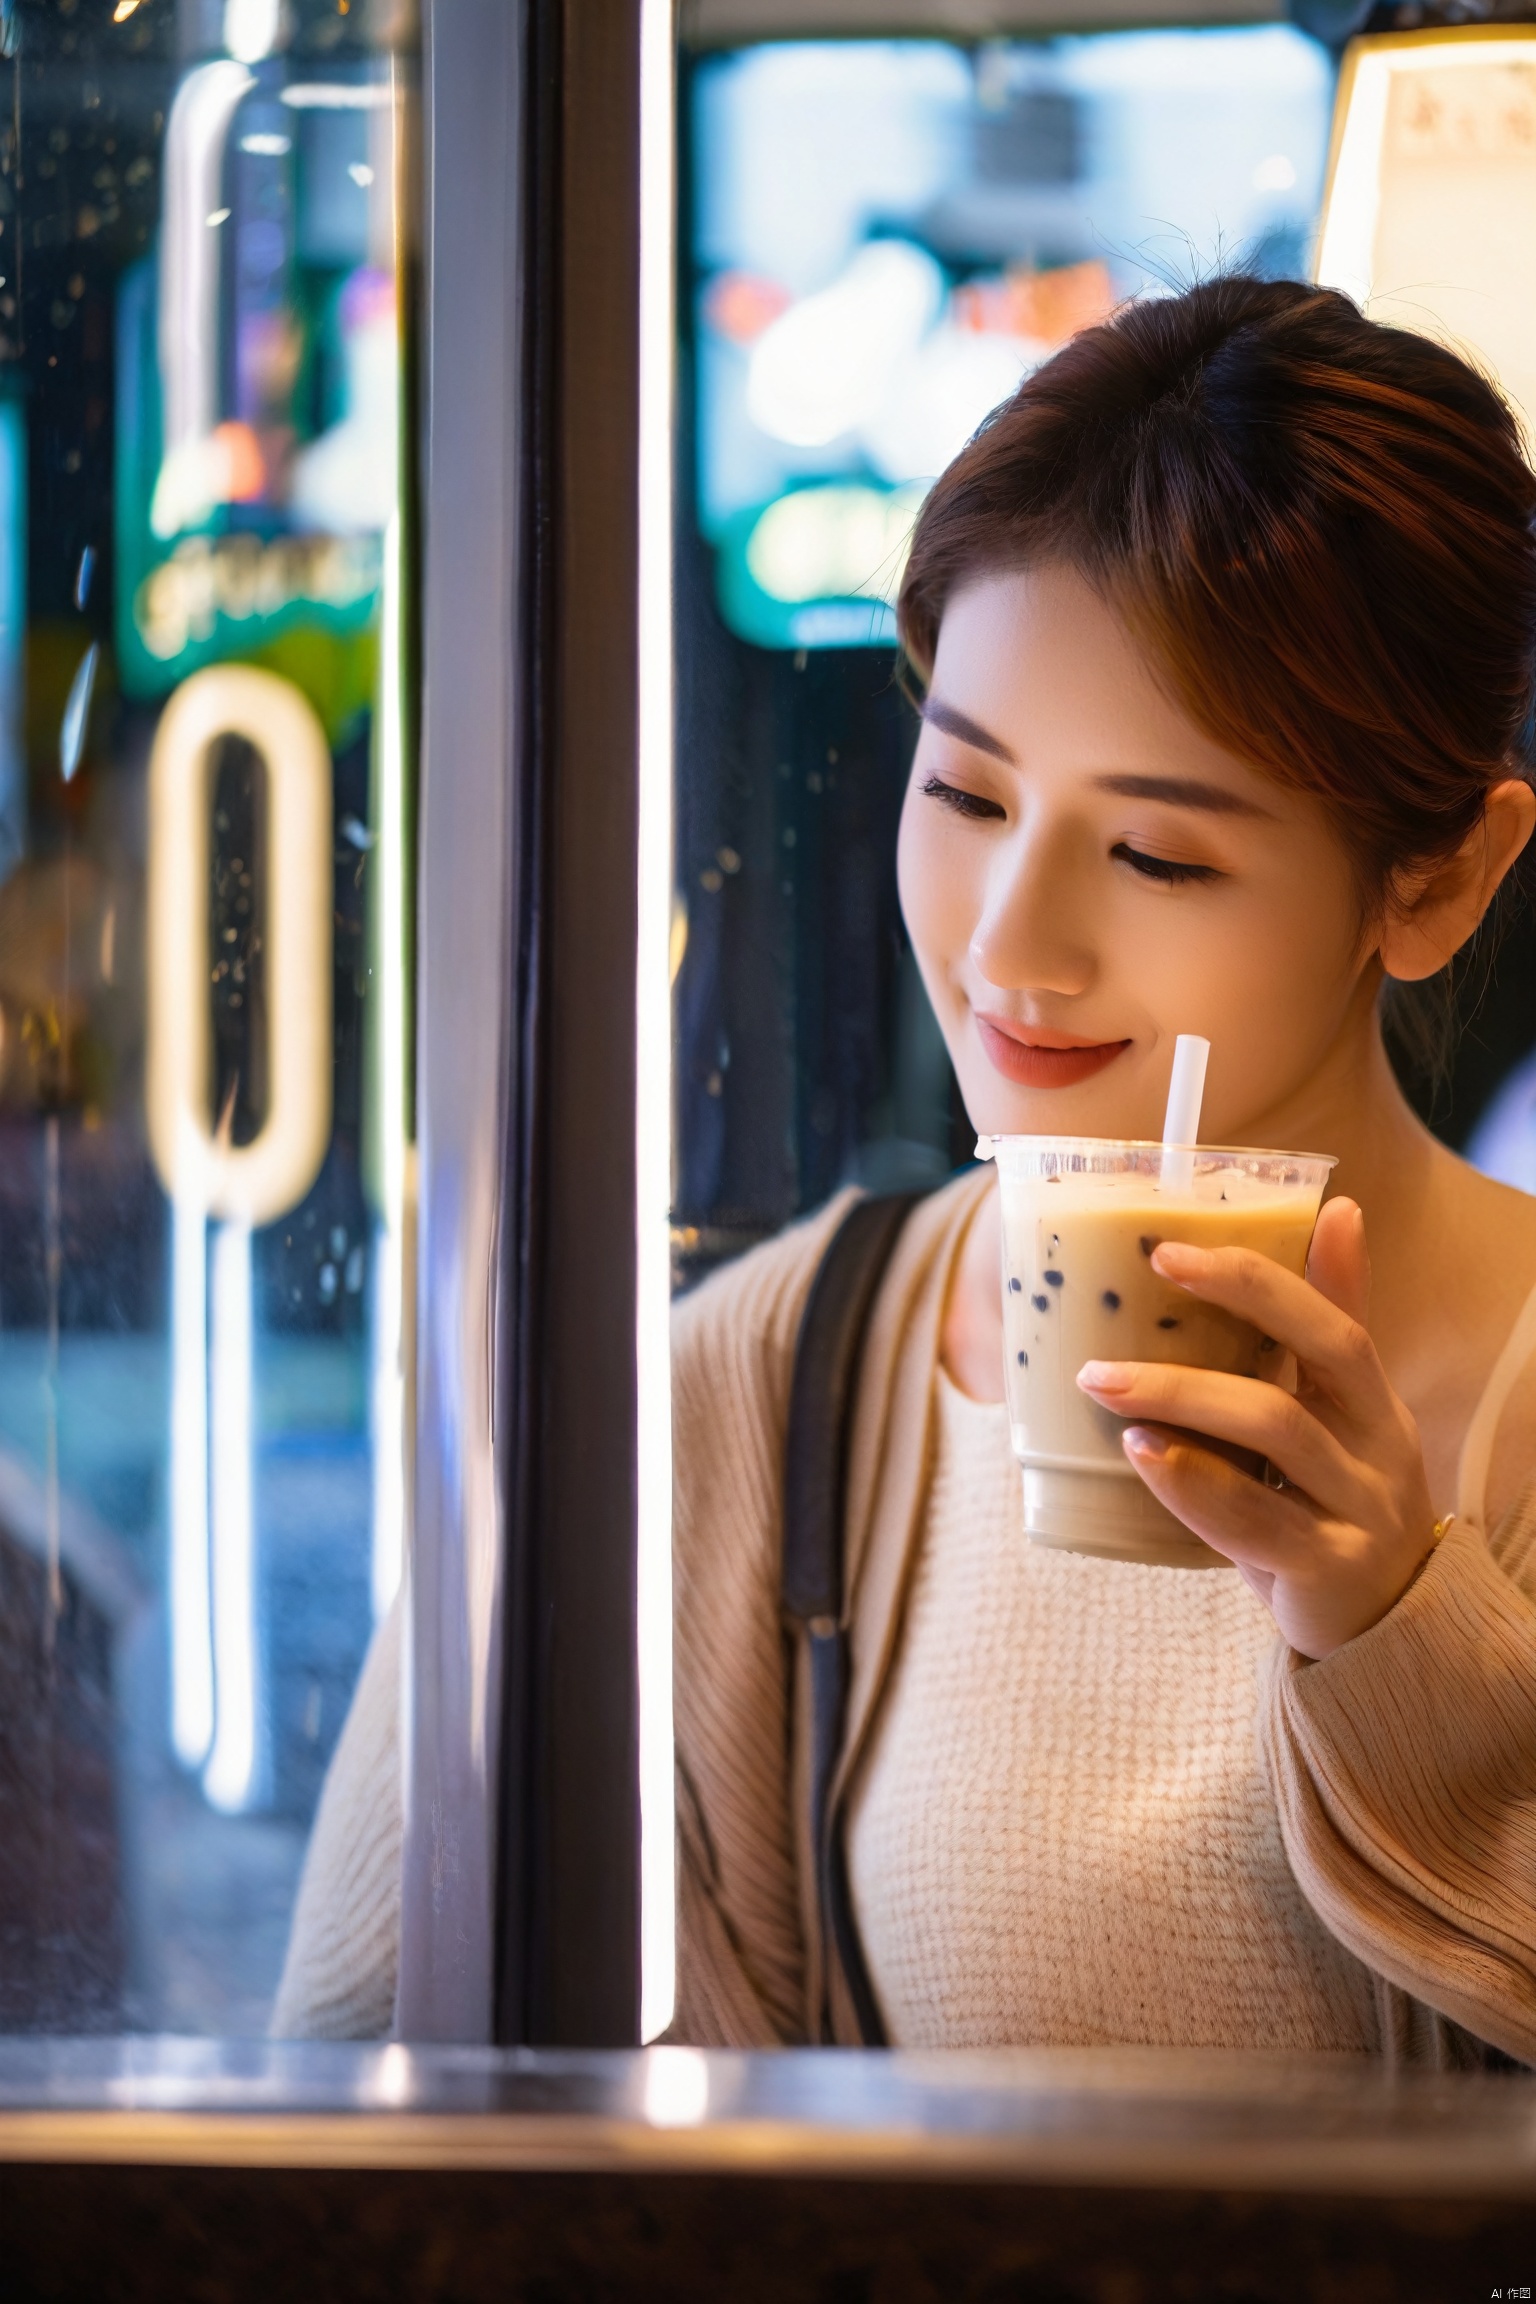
1085 875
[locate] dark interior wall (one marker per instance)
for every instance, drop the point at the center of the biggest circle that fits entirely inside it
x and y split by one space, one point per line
805 1054
792 1069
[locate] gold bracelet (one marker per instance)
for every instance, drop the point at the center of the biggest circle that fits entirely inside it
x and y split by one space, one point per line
1435 1535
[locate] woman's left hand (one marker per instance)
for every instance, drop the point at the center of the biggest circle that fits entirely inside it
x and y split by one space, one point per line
1334 1548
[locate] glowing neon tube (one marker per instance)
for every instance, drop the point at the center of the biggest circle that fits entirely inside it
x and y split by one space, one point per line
212 1599
256 1182
188 1595
229 1779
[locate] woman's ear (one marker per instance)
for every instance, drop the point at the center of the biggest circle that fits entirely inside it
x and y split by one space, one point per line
1446 907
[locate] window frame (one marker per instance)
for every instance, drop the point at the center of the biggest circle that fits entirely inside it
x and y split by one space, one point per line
521 1888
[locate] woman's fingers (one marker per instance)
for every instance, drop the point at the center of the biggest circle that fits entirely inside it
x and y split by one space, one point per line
1264 1530
1259 1580
1338 1264
1334 1546
1334 1349
1324 1578
1243 1412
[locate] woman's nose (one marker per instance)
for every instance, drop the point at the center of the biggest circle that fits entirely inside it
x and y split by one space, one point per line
1032 934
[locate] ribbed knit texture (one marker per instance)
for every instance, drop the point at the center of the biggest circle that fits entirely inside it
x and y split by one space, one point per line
733 1355
1404 1766
338 1981
1062 1833
1400 1773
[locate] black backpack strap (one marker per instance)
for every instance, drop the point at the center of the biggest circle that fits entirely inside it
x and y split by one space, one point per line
821 1402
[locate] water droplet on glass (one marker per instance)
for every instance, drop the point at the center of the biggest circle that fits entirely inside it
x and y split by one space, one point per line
77 713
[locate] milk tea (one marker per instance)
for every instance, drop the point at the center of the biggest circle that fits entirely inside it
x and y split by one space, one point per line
1080 1222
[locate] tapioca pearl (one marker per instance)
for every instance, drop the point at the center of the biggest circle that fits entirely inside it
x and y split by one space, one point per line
1110 1300
1147 1243
1023 1359
1053 1279
1015 1287
1168 1321
1041 1303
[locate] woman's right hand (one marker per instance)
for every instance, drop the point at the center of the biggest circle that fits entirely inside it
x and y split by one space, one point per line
1335 1546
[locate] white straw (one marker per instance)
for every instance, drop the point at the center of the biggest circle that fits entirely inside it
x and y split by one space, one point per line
1181 1124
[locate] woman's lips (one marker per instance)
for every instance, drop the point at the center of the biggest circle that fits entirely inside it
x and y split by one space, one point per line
1044 1059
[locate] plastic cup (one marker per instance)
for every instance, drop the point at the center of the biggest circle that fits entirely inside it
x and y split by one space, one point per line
1081 1218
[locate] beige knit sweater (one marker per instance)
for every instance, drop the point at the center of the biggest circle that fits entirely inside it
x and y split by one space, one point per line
338 1981
1401 1771
1063 1831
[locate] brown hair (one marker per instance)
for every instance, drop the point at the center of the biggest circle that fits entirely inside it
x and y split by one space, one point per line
1319 527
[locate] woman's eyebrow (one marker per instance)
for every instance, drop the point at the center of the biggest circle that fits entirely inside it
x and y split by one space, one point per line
1180 792
1177 791
969 731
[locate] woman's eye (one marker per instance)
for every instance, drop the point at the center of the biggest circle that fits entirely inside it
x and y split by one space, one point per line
1162 867
963 803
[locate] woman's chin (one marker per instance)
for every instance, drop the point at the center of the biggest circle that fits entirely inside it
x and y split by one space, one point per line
1055 1116
1087 1110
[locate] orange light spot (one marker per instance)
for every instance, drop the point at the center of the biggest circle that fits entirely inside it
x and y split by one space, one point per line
245 468
740 305
1048 306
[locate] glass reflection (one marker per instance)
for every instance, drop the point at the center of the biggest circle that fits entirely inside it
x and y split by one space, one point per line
204 973
890 235
884 237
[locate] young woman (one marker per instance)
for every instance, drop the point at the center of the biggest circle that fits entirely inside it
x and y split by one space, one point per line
1226 627
1226 633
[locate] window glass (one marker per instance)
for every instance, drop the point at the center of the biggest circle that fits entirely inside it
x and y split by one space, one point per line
204 843
885 236
881 239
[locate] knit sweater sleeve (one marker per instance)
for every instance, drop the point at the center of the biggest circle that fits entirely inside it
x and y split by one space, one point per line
1404 1768
338 1980
740 1960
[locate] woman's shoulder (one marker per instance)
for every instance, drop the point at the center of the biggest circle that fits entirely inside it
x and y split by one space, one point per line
1491 1248
750 1309
1496 1238
1505 1210
758 1297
